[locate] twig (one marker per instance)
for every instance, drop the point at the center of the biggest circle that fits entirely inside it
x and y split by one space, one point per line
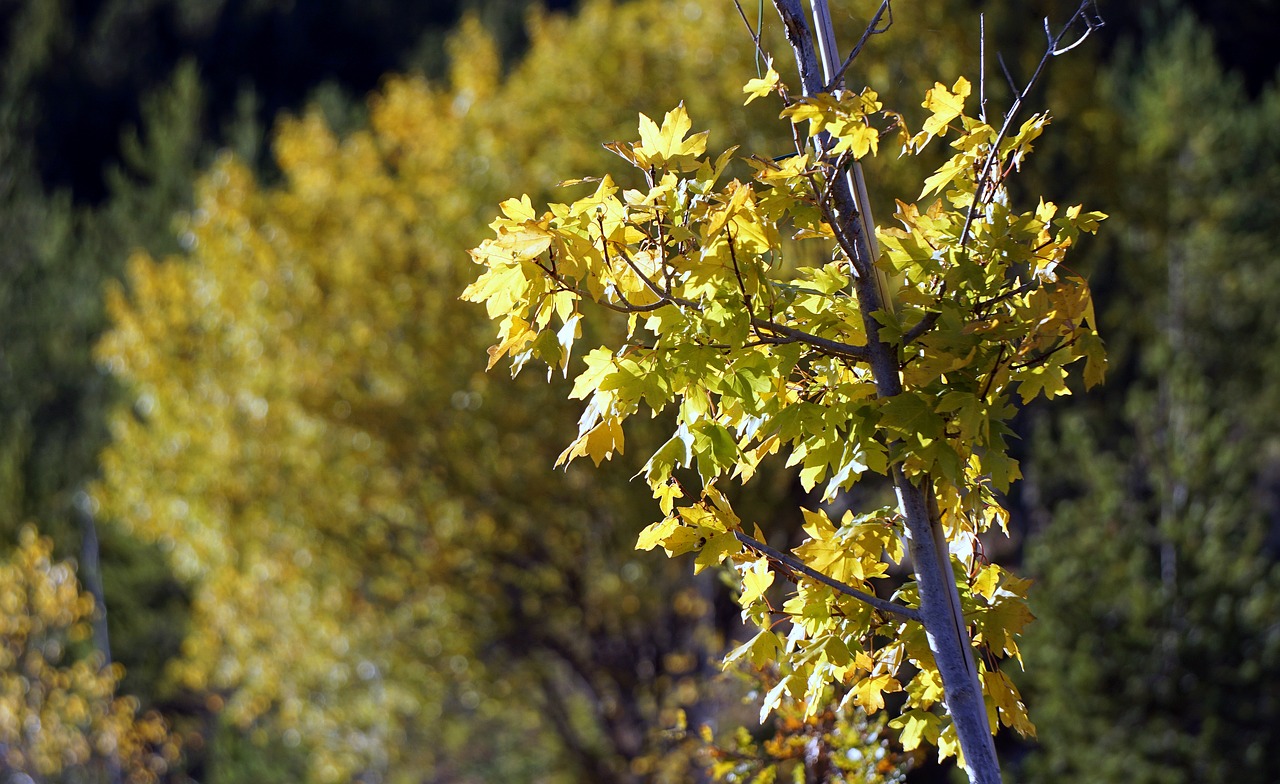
1041 359
834 82
795 565
981 307
755 35
1091 24
924 325
982 67
781 333
1008 77
991 377
792 335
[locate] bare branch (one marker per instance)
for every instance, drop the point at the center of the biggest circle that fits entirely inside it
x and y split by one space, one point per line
873 28
755 34
795 565
1008 77
785 334
981 197
982 67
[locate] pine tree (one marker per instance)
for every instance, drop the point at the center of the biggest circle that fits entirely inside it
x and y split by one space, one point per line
1156 657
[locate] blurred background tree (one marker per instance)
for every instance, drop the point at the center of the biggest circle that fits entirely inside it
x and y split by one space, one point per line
59 710
1160 493
385 572
1159 654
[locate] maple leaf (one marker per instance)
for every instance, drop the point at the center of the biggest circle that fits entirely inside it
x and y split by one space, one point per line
945 104
667 147
869 692
917 726
756 579
759 88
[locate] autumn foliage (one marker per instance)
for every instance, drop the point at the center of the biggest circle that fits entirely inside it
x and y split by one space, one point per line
757 355
59 709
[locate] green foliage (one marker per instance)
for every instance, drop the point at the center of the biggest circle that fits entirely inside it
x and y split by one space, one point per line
1156 653
757 355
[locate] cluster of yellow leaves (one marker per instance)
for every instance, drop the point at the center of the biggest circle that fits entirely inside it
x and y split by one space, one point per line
802 743
759 357
312 442
59 710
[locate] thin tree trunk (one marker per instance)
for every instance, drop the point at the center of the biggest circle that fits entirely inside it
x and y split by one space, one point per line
943 621
90 573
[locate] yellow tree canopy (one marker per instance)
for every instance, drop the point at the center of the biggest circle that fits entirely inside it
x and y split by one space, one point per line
59 710
369 524
366 521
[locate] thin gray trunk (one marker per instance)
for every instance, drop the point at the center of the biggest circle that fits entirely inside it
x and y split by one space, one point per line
943 621
90 573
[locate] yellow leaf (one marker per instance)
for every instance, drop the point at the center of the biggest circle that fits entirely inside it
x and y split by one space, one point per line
1012 710
945 175
857 137
987 581
666 494
759 88
817 524
755 581
520 209
667 146
869 692
715 550
945 104
516 334
655 534
600 365
599 443
917 726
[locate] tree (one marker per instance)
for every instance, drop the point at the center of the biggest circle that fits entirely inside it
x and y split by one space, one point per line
52 397
1157 575
830 362
383 574
59 713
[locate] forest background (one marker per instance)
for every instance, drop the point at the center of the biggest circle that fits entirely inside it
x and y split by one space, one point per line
237 388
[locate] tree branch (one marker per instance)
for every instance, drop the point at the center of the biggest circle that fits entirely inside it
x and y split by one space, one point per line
795 565
873 28
922 326
826 345
1052 50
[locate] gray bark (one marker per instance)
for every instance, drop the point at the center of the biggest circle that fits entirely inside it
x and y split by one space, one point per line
940 611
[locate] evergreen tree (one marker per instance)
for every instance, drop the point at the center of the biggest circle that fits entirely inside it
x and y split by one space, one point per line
1156 657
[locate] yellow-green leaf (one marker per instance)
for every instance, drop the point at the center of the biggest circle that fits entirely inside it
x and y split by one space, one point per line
759 88
756 579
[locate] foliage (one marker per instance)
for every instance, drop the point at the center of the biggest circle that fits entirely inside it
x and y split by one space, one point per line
1157 653
57 253
833 745
384 575
58 708
758 356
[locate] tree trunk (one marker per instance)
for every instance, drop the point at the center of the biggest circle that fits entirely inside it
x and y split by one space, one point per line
939 597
